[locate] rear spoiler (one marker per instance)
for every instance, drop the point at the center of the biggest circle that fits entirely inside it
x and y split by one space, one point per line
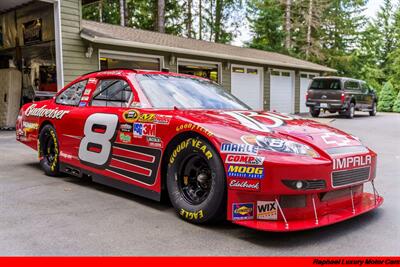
42 95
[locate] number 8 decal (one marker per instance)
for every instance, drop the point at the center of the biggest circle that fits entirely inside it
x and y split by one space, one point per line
107 123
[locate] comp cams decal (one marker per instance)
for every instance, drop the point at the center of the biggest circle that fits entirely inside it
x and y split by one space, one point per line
239 148
267 210
242 211
191 142
351 162
249 172
244 159
51 113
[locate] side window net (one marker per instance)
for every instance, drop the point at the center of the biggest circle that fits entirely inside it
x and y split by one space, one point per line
112 93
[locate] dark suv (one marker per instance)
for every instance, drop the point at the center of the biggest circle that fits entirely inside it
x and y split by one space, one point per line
338 94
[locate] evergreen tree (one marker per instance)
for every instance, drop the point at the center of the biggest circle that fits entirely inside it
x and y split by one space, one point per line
386 98
396 105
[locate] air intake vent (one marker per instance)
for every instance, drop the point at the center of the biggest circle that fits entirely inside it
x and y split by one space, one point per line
349 177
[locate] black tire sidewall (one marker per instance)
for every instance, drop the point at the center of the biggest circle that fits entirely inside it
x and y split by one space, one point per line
50 168
314 112
213 207
349 113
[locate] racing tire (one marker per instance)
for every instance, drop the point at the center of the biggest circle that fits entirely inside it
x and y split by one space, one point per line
48 149
350 111
315 112
196 181
373 111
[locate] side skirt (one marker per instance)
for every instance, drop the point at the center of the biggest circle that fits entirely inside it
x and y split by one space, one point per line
101 179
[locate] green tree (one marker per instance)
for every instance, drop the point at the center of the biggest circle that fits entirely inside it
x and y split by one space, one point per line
396 105
266 18
386 98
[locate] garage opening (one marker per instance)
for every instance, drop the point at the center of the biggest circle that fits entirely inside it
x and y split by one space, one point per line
282 91
28 65
305 80
115 59
247 85
202 69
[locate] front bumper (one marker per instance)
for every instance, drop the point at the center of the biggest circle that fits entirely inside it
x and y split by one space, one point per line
322 215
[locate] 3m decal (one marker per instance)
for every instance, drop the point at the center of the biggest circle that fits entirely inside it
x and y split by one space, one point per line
52 113
242 211
95 146
245 185
351 162
259 121
131 115
191 126
193 143
335 139
267 210
191 215
245 171
144 129
239 148
136 163
244 159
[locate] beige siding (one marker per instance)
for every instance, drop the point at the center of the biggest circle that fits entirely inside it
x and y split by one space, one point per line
74 48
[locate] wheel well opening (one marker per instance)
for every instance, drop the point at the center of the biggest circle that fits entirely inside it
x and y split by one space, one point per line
44 124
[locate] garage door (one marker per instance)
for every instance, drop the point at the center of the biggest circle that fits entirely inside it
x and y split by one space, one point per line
247 85
117 59
282 91
305 79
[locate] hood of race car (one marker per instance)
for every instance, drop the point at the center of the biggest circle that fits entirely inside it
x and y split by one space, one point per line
232 125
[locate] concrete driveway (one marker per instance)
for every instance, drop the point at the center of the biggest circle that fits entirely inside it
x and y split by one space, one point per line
40 215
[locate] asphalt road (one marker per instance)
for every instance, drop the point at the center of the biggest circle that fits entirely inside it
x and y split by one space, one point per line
40 215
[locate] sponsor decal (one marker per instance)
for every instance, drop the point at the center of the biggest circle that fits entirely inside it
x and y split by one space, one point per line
154 141
242 211
191 126
352 162
131 115
244 159
87 92
245 185
29 126
335 139
146 117
65 155
239 148
125 127
135 105
267 210
245 171
84 98
51 113
162 119
82 104
190 215
125 138
92 81
144 129
190 143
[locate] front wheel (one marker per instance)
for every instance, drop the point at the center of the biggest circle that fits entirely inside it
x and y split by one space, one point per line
48 150
196 181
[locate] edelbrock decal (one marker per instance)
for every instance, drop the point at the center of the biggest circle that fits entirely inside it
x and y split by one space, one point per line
51 113
245 185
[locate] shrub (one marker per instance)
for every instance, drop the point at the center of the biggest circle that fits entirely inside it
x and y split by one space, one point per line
396 105
386 98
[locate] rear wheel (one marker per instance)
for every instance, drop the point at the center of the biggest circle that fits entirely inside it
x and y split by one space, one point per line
48 150
196 181
314 112
373 111
350 111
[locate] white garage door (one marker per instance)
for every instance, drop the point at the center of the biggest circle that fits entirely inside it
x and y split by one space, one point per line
247 85
282 91
305 79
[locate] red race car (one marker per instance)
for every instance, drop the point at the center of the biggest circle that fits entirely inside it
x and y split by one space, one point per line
152 133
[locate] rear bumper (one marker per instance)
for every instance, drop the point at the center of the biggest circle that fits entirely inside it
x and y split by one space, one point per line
322 216
330 106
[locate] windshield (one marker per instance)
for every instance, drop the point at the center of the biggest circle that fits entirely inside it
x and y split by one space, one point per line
325 84
167 91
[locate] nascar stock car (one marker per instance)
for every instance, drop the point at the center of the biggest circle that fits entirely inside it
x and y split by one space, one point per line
155 133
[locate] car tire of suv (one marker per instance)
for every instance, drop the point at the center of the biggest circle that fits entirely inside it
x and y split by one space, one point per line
196 181
48 149
373 111
350 111
315 112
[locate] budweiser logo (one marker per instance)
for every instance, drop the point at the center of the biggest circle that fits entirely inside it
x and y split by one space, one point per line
245 185
50 113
